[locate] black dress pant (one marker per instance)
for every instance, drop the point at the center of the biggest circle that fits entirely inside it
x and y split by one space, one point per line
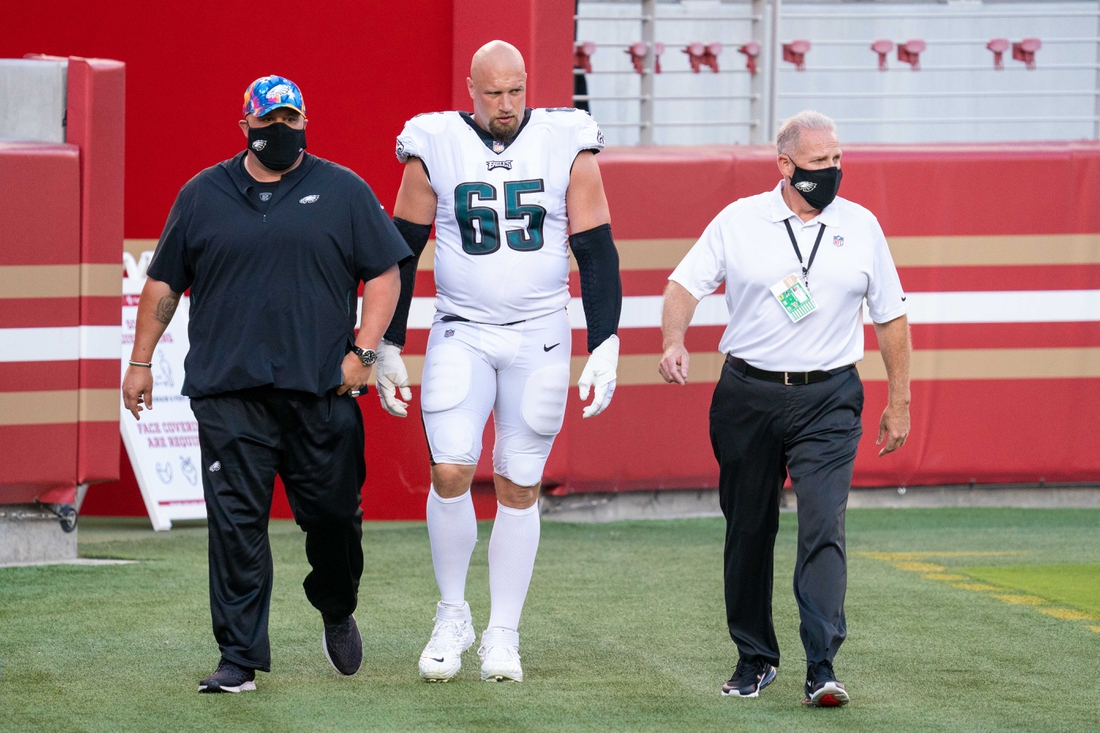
316 445
760 431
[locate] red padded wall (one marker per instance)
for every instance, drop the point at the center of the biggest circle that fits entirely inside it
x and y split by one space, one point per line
39 260
542 30
189 63
96 124
364 69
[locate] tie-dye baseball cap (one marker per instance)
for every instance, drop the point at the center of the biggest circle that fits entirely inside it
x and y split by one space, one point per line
270 92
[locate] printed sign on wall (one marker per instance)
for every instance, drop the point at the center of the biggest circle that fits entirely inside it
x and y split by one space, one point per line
164 445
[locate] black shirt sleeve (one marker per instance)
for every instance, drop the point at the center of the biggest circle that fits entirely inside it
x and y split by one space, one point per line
170 262
378 245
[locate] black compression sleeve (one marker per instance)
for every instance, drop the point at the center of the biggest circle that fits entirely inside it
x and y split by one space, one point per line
416 236
601 287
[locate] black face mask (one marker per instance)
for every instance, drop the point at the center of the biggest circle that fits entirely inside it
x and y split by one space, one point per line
277 146
819 187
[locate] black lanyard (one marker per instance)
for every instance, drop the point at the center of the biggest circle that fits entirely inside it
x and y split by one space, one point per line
794 242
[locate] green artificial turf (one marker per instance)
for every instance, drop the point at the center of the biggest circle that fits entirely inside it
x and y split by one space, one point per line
623 631
1074 585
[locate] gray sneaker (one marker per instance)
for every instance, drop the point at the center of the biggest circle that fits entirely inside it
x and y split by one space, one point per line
342 644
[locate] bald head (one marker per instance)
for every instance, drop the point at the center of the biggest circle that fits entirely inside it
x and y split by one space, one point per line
495 58
498 87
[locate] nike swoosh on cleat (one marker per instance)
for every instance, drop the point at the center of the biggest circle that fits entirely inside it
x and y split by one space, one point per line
434 659
548 348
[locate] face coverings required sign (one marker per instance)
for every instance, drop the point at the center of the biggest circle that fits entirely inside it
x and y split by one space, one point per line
164 445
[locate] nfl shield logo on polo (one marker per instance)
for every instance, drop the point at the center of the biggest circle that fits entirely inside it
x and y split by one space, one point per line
838 241
448 333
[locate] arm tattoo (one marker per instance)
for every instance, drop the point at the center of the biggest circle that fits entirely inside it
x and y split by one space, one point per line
166 308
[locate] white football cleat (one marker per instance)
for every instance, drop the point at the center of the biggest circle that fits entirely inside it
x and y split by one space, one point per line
453 634
499 653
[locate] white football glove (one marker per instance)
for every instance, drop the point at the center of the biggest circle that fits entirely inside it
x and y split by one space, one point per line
391 376
599 372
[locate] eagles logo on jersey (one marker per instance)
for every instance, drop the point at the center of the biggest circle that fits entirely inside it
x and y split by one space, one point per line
501 227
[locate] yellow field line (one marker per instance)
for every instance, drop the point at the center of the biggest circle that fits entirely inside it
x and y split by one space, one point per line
930 571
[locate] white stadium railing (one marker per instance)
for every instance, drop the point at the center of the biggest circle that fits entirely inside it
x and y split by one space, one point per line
732 71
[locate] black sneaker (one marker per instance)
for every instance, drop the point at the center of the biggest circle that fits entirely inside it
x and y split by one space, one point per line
750 677
342 644
229 677
822 689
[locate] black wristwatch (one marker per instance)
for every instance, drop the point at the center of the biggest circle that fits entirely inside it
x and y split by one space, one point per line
367 356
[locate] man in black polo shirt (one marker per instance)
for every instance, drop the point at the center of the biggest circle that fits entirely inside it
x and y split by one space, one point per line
273 244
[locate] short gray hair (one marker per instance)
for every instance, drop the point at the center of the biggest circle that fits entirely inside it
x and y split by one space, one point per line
790 134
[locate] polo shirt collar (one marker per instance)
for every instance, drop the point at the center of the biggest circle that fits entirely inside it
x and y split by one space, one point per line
243 181
829 216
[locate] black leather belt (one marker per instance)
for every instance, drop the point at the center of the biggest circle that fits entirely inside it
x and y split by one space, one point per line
791 379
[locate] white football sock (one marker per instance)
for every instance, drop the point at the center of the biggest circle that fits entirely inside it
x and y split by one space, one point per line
512 549
452 531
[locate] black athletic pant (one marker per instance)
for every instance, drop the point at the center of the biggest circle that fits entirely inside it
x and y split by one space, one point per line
316 445
759 431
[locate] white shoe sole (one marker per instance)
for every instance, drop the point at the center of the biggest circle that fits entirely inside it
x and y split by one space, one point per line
514 674
243 687
838 697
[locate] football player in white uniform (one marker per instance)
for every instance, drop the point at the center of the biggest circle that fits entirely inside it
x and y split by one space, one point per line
504 186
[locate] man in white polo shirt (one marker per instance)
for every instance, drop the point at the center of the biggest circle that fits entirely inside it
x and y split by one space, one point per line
798 262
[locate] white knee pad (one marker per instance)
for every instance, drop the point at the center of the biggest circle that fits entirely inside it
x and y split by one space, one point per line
522 459
452 438
447 382
544 396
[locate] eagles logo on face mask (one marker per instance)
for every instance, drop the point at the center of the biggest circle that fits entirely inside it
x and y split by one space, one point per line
277 146
818 187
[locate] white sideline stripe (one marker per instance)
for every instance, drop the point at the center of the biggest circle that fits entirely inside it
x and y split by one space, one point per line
994 306
67 343
100 342
1005 306
639 311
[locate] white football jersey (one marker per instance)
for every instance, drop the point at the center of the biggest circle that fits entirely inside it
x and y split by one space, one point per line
501 228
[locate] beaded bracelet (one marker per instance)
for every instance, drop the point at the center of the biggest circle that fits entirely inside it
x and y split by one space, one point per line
147 365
